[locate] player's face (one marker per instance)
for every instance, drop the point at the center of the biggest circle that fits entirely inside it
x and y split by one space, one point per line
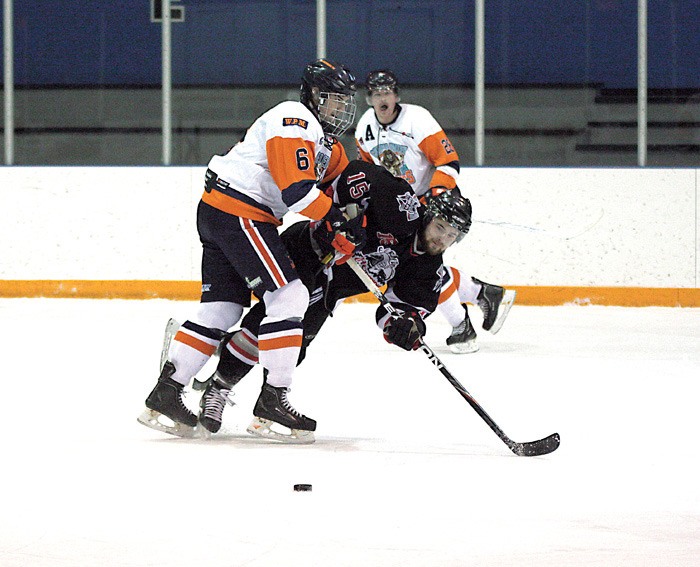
384 101
336 103
336 111
438 236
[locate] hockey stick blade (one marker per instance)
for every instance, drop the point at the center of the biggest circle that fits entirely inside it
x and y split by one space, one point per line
536 448
529 449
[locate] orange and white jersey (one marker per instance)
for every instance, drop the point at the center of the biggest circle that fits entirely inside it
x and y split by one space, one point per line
413 147
276 167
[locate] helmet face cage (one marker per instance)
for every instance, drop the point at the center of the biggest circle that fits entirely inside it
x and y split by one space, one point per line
328 90
336 112
453 209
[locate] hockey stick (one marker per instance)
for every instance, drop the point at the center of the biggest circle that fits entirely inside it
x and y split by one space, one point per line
527 449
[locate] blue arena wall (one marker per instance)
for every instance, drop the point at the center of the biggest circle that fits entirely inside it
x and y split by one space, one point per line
258 42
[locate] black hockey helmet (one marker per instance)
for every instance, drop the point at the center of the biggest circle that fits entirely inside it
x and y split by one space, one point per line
381 78
325 81
454 209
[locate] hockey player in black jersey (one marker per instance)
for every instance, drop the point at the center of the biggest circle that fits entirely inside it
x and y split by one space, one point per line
403 250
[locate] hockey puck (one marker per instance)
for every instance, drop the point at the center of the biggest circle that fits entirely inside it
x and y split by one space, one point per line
302 488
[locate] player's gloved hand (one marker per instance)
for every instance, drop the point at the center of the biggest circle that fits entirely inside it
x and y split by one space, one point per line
432 192
404 330
335 233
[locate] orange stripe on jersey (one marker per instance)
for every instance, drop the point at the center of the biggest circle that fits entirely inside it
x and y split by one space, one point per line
280 342
260 248
438 149
235 207
338 162
290 160
441 179
189 340
318 208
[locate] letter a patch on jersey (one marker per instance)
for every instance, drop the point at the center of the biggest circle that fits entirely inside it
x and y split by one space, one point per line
368 133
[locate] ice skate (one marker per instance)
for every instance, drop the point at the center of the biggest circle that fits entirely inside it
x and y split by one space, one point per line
273 409
212 403
463 337
495 302
165 410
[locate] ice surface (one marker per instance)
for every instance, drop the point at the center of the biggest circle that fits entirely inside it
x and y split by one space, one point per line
404 472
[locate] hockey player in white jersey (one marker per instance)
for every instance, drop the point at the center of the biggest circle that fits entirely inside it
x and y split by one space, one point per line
277 167
408 141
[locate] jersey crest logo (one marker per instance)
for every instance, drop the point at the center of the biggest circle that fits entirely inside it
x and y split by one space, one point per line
380 265
408 203
386 239
392 157
392 161
295 122
322 161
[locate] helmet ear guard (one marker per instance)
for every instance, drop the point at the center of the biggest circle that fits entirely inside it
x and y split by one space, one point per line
451 207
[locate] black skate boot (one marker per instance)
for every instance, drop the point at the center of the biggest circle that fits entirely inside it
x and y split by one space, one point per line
463 337
212 403
273 407
166 400
495 302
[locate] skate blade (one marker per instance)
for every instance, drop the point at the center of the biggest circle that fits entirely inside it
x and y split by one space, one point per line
464 348
156 420
503 310
260 427
202 432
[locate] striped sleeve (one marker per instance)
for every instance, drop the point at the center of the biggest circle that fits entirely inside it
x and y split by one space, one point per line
291 163
441 153
338 162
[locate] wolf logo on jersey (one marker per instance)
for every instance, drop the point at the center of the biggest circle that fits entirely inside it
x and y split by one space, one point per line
393 162
392 157
380 265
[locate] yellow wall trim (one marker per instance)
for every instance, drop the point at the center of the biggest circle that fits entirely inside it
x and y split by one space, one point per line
187 290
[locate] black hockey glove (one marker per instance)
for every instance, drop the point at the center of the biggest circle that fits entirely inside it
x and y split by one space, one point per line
404 330
335 233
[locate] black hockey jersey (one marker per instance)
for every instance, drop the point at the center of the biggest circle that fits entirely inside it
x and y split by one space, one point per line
394 218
